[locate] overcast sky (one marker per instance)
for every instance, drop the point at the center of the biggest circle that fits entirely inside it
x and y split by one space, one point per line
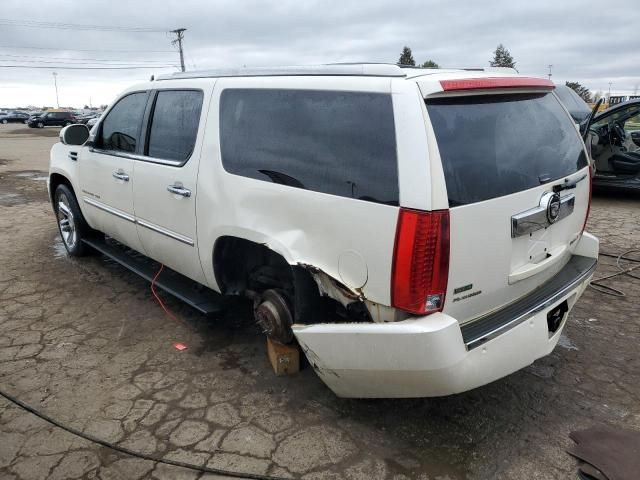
593 43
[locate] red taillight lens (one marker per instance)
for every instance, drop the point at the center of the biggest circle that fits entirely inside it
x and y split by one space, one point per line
586 217
420 261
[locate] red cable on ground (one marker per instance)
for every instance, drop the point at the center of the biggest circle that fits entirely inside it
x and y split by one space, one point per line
159 300
155 294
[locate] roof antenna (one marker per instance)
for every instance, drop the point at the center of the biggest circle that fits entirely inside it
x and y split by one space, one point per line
152 78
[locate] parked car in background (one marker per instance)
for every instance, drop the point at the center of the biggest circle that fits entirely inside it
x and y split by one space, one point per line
92 121
83 119
420 232
614 140
52 119
14 117
578 108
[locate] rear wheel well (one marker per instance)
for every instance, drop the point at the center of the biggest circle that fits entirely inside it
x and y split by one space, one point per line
242 267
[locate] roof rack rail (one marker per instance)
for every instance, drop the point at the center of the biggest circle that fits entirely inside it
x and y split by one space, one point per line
336 69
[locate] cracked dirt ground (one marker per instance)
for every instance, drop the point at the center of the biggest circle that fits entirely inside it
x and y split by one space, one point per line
84 342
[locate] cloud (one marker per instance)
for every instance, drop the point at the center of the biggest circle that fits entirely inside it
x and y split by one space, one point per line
591 45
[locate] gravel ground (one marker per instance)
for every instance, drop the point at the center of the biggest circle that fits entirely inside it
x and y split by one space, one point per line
84 342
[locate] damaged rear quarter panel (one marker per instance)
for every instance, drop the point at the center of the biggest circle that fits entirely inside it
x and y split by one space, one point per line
303 226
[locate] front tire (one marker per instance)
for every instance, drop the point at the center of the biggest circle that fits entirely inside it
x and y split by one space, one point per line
71 224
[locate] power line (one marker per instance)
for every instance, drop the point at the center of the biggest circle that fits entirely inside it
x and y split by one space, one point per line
86 50
65 67
74 60
73 26
127 64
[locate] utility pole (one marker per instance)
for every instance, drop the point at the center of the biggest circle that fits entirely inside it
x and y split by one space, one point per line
549 74
55 83
180 35
609 97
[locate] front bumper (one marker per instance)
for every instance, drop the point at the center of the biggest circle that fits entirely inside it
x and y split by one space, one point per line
433 356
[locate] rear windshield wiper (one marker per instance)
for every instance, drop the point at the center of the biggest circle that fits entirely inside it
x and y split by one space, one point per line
568 185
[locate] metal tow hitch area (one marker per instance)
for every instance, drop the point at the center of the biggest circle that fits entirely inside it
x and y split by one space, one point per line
556 315
273 315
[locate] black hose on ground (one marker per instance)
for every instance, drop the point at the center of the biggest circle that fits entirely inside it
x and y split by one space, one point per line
130 452
597 284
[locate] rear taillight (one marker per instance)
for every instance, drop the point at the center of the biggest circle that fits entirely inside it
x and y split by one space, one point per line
420 261
586 217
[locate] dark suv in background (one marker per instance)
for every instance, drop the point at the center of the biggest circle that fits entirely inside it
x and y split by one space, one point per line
52 119
14 117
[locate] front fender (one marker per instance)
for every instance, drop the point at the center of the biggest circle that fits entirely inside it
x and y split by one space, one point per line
61 164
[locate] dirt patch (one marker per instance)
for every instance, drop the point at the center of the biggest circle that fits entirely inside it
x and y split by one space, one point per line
22 187
36 132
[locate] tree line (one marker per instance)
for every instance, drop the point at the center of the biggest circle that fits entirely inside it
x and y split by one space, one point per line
501 58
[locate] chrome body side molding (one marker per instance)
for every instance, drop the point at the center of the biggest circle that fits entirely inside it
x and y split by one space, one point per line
164 231
108 209
130 218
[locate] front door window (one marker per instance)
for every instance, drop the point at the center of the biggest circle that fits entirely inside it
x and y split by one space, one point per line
121 127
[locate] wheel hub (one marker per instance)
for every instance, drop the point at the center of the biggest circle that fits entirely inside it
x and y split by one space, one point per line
274 316
66 222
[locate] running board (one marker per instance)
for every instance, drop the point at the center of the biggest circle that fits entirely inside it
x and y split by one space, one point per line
192 293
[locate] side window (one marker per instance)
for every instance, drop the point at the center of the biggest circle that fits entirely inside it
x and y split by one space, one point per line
174 125
340 143
121 127
633 123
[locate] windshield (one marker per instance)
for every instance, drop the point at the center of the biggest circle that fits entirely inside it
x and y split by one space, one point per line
495 145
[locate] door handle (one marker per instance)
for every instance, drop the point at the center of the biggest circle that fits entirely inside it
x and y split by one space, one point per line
179 190
120 175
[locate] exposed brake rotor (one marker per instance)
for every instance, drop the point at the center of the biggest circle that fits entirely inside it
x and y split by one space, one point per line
274 316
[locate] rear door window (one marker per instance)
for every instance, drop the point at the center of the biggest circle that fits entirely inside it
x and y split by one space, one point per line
496 145
174 124
121 127
340 143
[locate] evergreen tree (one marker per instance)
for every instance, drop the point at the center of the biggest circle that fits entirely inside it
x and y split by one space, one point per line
502 58
581 90
406 57
430 64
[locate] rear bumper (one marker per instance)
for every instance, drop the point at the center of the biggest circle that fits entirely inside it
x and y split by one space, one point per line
433 356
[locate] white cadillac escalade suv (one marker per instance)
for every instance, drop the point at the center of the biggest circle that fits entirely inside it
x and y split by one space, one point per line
417 232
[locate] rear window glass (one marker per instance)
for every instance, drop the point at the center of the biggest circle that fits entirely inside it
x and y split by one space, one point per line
495 145
174 125
341 143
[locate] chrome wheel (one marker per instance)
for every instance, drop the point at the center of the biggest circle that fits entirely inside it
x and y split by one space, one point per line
67 223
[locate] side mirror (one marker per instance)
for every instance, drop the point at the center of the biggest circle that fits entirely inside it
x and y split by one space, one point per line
76 134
